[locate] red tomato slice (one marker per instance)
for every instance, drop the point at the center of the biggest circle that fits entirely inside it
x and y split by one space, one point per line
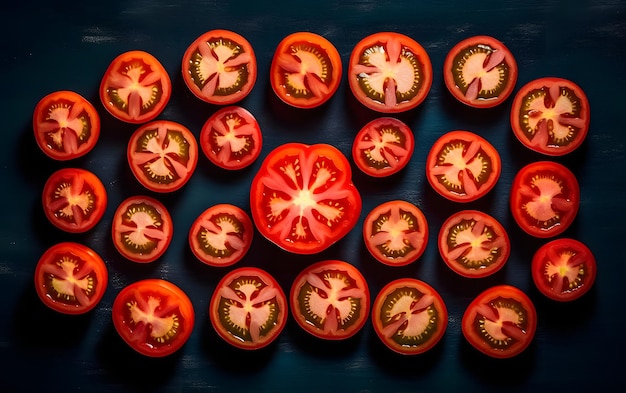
66 125
248 308
462 166
219 67
153 316
550 116
231 138
409 316
383 147
135 88
74 199
142 229
544 198
480 72
563 269
396 233
474 244
71 278
221 235
389 72
306 70
162 155
500 322
303 199
330 300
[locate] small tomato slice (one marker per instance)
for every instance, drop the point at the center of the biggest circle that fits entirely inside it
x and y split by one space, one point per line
330 300
563 269
550 116
248 308
383 147
545 197
220 67
500 322
71 278
396 233
303 199
306 70
153 316
135 88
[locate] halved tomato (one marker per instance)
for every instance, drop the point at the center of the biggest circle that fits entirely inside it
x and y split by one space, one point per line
544 198
219 67
71 278
303 199
306 70
383 147
389 72
330 300
136 87
248 308
162 155
500 322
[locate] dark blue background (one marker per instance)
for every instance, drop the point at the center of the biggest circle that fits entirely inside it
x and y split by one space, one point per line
50 46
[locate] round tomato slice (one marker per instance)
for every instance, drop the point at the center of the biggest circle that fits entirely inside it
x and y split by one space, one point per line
550 116
66 125
142 229
135 88
544 198
248 308
330 300
162 155
219 67
71 278
221 235
474 244
153 316
563 269
74 199
500 322
409 316
480 72
396 233
383 147
390 72
462 166
303 198
306 70
231 138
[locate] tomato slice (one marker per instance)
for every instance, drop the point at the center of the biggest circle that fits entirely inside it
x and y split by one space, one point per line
480 72
221 235
550 116
142 229
71 278
231 138
220 67
383 147
162 155
153 316
563 269
500 322
396 233
462 166
135 88
306 70
248 308
544 198
66 125
474 244
330 300
389 72
303 199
